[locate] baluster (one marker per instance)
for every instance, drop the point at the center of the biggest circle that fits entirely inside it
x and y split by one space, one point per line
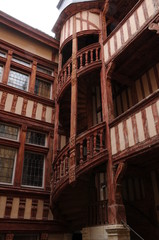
62 79
94 142
99 54
86 58
101 139
81 152
88 148
81 61
62 168
96 54
55 176
91 55
66 164
58 171
65 76
69 70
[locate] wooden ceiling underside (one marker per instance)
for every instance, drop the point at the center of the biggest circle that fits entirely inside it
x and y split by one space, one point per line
137 58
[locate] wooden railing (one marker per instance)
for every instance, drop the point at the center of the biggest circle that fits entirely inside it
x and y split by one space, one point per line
61 165
65 74
136 20
88 56
98 213
88 145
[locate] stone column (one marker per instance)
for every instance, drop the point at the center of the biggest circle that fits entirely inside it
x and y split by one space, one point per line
117 232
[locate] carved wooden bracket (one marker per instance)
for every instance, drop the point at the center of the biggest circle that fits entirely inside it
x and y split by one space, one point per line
109 69
154 27
119 173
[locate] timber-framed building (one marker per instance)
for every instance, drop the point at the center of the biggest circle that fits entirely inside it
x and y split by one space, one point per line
79 124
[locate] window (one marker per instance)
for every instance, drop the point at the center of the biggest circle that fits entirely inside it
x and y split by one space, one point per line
7 162
1 72
2 54
21 61
18 80
7 131
45 70
33 169
35 138
42 88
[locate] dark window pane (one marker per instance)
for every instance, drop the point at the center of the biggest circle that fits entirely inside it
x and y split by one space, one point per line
35 138
42 88
7 159
33 169
7 131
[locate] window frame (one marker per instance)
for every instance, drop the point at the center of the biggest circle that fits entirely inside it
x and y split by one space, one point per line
20 72
14 167
43 80
11 125
21 61
33 144
1 76
43 175
44 70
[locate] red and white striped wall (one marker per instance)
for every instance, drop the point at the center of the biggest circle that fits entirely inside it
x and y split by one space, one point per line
130 27
137 128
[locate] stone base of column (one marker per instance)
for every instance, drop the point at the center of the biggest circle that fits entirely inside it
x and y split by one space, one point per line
117 232
94 233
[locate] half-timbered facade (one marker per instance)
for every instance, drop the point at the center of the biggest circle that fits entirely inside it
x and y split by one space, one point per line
79 124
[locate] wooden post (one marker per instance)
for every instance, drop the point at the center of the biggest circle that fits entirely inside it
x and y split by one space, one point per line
115 207
20 157
110 177
48 168
55 143
33 77
7 67
73 120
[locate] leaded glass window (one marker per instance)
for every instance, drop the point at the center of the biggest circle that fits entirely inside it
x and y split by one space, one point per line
21 61
37 138
42 88
18 80
7 131
7 161
33 167
45 70
1 72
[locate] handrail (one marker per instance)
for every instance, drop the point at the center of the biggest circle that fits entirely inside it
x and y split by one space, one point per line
87 48
131 229
88 145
